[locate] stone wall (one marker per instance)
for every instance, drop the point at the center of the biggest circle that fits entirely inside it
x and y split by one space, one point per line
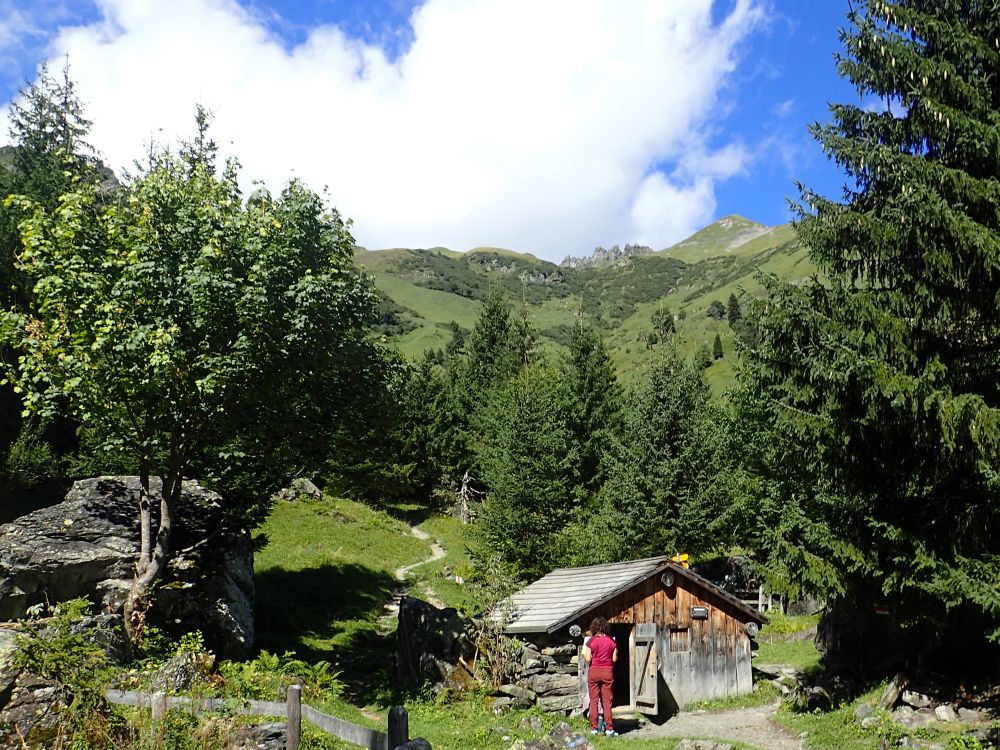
438 646
545 674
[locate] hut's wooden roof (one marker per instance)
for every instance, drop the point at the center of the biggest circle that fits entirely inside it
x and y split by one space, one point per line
560 597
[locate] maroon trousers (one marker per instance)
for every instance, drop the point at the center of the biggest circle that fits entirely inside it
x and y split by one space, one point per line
599 683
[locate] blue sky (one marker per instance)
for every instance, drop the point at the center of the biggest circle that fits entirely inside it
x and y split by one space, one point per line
548 127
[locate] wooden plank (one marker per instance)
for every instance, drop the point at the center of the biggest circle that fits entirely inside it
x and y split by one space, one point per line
399 727
732 638
345 730
293 726
158 704
644 669
744 670
714 657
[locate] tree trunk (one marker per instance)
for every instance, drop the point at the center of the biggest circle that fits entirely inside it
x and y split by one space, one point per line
152 556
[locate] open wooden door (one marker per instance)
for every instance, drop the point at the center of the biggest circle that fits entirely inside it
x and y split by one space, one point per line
645 682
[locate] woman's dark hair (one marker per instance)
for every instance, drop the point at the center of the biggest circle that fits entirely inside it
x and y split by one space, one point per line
599 626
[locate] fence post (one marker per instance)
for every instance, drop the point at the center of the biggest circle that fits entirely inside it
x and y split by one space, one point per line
293 706
399 727
158 703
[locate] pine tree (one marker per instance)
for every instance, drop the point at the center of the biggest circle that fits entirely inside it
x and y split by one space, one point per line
881 376
717 352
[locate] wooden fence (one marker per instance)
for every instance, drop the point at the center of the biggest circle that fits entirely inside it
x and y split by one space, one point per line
292 708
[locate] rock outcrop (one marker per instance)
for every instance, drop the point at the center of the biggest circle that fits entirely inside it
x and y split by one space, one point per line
602 256
87 546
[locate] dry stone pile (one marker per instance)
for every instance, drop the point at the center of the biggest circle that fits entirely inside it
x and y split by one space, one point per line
437 646
543 675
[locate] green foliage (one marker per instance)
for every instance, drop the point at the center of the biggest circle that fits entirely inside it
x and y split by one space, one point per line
785 625
197 332
878 381
269 675
30 458
716 310
671 484
494 349
662 321
702 359
60 649
530 462
595 399
717 352
734 312
48 158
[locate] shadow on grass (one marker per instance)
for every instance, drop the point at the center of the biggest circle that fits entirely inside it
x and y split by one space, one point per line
328 613
410 513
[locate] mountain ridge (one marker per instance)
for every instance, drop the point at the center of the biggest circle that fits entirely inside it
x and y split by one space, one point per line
428 293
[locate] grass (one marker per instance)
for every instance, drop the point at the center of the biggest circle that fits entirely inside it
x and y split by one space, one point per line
764 694
327 570
802 655
322 581
623 297
453 537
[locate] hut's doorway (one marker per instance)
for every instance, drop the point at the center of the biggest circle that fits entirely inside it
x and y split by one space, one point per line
622 633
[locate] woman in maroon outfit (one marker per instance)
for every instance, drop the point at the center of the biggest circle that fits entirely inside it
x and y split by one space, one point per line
601 653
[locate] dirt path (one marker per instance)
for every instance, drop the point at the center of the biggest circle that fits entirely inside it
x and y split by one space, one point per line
391 610
754 726
437 552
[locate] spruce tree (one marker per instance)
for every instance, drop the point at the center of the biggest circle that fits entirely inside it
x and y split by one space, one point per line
734 313
594 392
717 352
662 493
881 375
529 463
49 156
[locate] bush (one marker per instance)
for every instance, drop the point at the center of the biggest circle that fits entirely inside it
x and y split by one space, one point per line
30 459
58 649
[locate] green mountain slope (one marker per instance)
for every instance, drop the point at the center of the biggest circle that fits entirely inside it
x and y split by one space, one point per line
425 292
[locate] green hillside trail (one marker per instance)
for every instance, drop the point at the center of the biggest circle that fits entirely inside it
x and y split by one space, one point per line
391 610
752 726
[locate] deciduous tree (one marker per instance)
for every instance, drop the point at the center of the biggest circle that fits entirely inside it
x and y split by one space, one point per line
180 319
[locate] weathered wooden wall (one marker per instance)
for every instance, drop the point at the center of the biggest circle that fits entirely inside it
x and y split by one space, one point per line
699 659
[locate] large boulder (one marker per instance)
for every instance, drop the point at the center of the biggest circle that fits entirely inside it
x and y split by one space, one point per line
87 545
32 713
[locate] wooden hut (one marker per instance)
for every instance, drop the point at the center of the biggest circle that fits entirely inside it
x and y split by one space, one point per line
680 637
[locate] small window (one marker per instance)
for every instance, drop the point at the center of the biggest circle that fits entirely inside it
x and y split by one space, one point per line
679 640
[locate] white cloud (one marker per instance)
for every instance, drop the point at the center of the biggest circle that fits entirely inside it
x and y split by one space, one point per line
784 109
542 126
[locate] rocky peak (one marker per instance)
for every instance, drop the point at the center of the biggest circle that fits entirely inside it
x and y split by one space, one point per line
602 255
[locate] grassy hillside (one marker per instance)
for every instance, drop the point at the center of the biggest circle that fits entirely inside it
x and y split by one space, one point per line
425 291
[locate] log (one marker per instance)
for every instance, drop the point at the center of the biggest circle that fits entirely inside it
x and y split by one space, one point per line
892 692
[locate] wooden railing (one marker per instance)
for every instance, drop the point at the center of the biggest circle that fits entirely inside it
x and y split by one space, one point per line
292 708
